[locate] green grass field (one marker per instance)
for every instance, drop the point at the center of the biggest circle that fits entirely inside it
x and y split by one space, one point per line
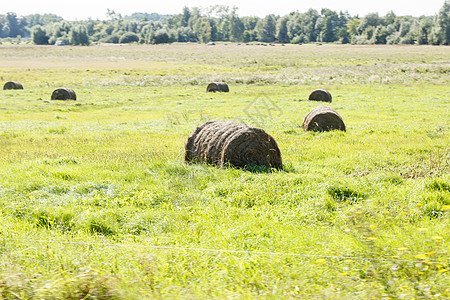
97 203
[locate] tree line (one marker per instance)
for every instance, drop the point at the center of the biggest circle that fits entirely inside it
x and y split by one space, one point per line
222 23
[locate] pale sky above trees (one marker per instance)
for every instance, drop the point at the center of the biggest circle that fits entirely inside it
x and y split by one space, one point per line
84 9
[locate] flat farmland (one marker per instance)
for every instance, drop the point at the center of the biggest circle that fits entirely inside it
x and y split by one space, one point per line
96 201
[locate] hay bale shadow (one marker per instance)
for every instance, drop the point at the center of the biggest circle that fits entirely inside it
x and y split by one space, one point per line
63 94
323 119
12 85
229 144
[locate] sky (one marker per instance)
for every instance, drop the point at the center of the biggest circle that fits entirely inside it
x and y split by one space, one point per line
96 9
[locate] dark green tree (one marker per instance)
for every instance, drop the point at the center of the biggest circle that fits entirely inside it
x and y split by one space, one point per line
131 26
83 36
250 22
380 35
113 39
344 36
295 28
267 28
128 37
79 36
353 26
440 33
175 21
282 30
39 36
108 30
38 19
195 15
203 30
214 31
221 29
249 36
237 28
3 27
311 24
330 25
59 32
160 36
294 24
368 33
370 20
186 34
12 22
389 18
74 37
423 31
185 17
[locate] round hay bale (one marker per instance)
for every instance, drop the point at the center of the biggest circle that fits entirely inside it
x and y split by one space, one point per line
12 85
320 95
217 87
224 143
323 119
64 94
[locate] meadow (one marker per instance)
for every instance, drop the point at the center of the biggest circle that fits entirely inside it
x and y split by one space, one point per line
96 201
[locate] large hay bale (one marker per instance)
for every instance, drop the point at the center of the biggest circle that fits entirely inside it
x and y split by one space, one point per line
217 87
323 119
320 95
224 143
64 94
12 85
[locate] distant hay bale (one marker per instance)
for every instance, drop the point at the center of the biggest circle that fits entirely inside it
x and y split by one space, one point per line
224 143
64 94
217 87
320 95
323 119
12 85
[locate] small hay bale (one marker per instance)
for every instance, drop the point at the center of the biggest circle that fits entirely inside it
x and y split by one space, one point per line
64 94
12 85
320 95
217 87
323 119
224 143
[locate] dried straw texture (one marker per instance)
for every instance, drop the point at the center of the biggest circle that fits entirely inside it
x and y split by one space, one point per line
12 85
217 87
223 143
64 94
320 95
323 119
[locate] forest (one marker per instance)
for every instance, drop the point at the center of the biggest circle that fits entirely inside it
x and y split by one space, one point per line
222 23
